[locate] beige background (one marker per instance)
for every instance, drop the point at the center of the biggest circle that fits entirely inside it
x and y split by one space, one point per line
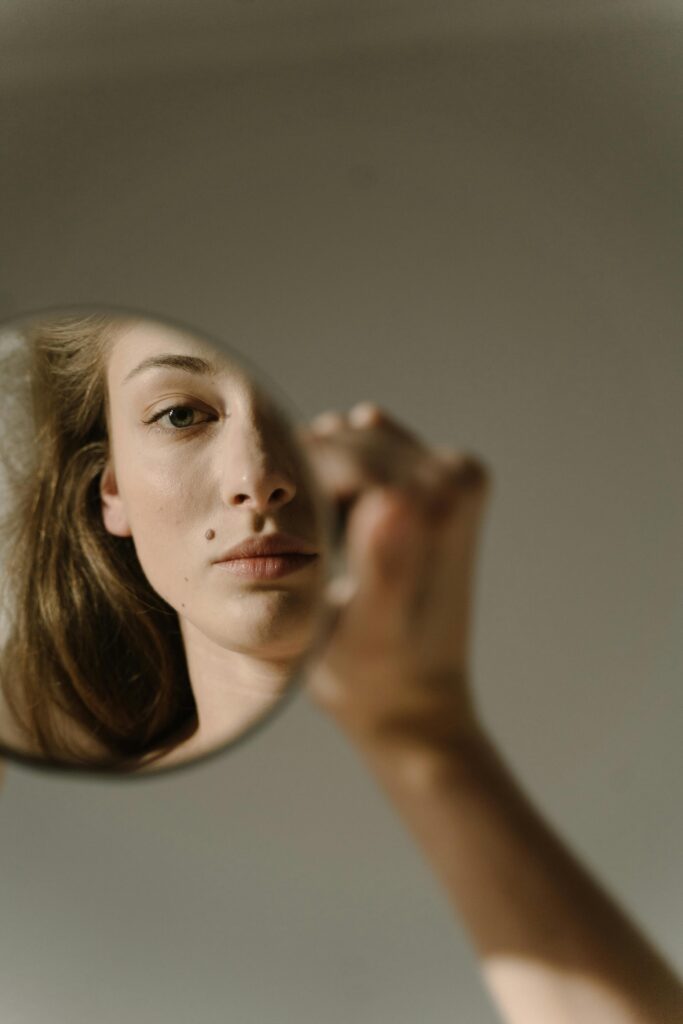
477 223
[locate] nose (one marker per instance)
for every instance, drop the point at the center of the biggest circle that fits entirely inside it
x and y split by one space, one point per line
263 490
258 476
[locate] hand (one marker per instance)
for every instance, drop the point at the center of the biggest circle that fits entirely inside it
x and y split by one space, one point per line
395 662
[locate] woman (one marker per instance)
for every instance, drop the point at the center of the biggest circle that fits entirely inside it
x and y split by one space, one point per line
394 673
137 635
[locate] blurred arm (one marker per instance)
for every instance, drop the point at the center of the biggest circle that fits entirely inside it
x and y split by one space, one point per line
554 948
394 674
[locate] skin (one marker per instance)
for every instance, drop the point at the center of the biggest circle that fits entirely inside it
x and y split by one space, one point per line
395 676
187 487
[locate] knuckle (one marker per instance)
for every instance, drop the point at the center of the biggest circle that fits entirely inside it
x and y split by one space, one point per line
465 469
327 422
475 473
367 414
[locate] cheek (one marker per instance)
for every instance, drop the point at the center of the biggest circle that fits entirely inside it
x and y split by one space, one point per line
167 498
168 513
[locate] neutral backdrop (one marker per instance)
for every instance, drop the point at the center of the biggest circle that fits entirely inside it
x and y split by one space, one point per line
475 222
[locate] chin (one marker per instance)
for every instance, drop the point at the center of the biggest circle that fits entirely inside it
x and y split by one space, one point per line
278 629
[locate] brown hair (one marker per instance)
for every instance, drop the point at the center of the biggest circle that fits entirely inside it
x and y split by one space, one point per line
93 656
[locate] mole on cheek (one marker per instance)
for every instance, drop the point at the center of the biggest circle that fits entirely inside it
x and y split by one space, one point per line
210 534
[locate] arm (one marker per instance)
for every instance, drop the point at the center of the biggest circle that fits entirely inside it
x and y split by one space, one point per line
553 947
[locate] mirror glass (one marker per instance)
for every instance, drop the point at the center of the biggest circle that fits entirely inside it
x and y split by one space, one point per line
164 543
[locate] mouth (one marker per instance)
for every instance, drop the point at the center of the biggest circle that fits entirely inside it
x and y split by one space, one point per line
268 546
267 567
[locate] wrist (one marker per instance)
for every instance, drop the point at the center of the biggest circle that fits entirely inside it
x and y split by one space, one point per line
396 719
442 788
427 750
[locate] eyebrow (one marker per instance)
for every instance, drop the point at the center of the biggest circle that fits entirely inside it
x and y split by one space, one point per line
191 364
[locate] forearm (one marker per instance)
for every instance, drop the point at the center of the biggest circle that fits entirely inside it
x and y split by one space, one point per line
554 948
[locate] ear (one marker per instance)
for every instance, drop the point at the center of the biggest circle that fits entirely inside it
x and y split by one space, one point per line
114 514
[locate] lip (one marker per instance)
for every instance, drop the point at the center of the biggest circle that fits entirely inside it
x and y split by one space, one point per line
266 567
265 545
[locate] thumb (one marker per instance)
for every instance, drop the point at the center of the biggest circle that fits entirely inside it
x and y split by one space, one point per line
383 547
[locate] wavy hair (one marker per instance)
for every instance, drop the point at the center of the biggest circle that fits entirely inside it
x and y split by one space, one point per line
92 665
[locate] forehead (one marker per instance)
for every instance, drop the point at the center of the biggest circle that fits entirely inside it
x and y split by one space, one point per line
146 340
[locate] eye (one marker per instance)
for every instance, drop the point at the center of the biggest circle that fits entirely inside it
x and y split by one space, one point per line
180 417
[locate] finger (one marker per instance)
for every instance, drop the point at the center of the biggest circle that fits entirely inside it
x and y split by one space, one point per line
355 459
455 475
348 461
448 611
467 467
370 415
385 547
328 422
331 459
338 469
365 414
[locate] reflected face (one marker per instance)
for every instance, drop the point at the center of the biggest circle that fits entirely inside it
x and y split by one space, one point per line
200 461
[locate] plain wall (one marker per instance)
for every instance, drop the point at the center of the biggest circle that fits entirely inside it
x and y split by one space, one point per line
484 237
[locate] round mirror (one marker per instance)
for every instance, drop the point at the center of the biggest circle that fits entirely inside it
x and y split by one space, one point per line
164 544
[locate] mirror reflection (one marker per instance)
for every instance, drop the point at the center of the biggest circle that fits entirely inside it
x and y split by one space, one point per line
164 543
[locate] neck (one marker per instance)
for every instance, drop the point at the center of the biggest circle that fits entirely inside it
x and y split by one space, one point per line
232 690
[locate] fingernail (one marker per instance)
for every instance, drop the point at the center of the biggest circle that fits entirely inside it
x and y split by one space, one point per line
363 414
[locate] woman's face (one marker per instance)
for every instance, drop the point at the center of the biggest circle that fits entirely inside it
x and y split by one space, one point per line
200 461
